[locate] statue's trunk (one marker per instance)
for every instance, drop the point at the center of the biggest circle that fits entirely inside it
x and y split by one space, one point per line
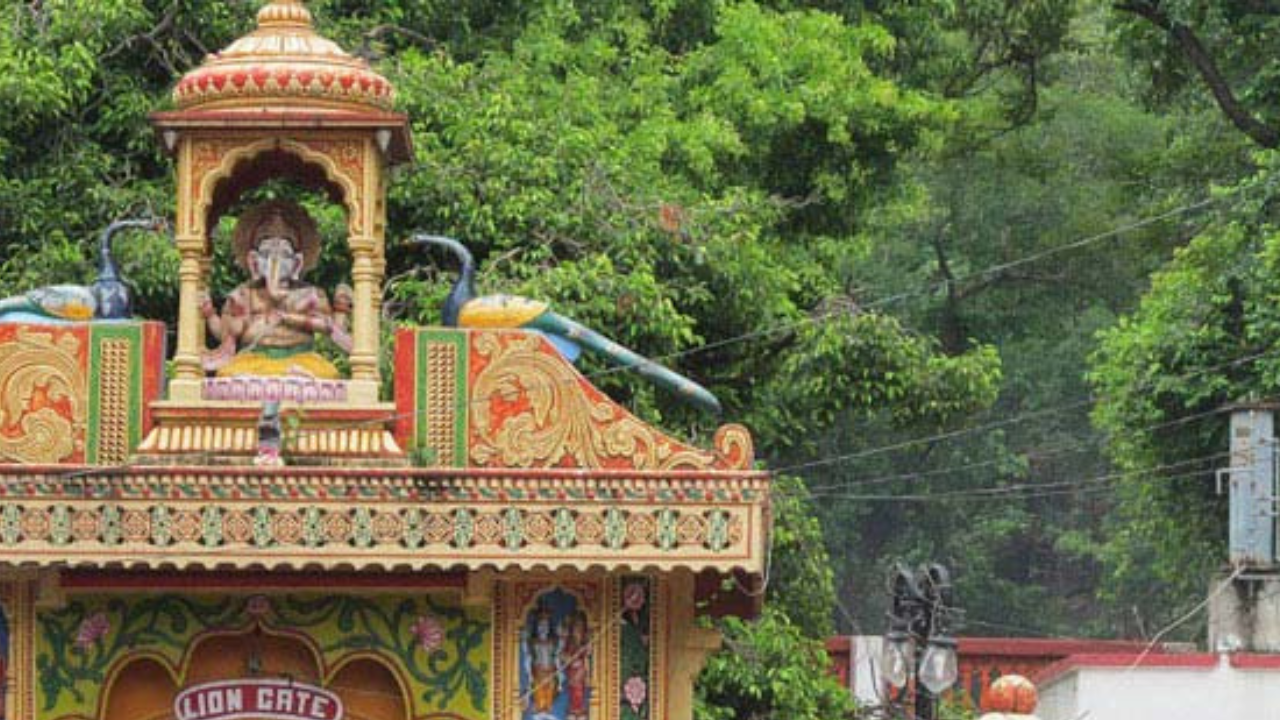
275 282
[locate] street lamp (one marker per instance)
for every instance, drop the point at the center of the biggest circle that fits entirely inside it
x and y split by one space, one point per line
919 616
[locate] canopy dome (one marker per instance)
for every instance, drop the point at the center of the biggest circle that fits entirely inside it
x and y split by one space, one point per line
284 63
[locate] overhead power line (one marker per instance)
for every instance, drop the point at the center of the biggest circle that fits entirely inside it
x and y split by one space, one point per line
1029 490
927 287
1013 420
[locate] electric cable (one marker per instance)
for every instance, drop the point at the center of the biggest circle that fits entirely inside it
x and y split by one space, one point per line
1029 490
1013 420
1034 257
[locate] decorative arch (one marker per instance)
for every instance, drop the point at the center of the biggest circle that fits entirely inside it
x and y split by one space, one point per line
339 162
370 688
211 655
142 685
140 688
214 168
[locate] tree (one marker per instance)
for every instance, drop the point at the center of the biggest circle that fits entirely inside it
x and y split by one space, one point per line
1203 336
777 666
687 177
1224 47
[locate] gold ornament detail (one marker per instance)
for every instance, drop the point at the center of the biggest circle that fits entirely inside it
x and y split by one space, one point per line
442 364
38 366
113 430
530 409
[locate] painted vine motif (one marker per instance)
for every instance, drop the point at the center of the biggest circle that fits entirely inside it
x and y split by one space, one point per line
441 649
435 643
80 643
637 598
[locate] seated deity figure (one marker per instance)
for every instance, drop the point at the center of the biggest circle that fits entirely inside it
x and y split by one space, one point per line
268 324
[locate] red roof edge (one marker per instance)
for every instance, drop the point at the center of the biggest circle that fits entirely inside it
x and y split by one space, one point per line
1192 661
1029 647
1050 647
1255 661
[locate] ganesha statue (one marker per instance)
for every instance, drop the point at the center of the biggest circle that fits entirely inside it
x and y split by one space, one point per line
268 324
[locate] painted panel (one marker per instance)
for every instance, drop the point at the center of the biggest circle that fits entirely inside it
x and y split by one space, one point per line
636 675
431 395
77 393
436 649
508 399
556 659
555 645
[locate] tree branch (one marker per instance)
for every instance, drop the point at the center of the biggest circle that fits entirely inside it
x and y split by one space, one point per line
1189 43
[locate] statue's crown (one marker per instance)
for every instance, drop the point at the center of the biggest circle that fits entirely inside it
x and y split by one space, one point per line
275 225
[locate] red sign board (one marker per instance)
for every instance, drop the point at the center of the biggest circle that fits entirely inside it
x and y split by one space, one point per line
268 699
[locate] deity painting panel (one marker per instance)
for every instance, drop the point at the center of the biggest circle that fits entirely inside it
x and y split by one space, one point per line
555 659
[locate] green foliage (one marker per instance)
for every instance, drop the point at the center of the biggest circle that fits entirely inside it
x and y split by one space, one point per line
777 666
1239 36
800 577
1202 337
677 200
1220 52
771 670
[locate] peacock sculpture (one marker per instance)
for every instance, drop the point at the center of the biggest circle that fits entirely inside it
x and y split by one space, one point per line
462 308
106 299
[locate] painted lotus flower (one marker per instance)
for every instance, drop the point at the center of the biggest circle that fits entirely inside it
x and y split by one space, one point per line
636 692
429 632
634 597
92 629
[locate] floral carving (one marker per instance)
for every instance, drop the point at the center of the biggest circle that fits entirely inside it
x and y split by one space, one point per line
530 408
43 398
429 633
92 629
636 691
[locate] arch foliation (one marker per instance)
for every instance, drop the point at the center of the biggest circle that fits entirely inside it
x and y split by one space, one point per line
332 167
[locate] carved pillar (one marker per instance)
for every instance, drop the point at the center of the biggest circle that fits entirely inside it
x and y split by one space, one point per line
8 678
379 197
364 322
17 603
688 645
190 240
187 356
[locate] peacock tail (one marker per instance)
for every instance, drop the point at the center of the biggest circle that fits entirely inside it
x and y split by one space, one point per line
555 324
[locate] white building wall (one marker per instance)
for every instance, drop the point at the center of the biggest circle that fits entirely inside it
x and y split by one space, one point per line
1160 693
1059 698
865 669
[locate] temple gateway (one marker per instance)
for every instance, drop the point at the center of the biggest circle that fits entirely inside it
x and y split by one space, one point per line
262 525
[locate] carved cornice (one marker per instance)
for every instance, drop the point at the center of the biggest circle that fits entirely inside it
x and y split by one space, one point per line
305 518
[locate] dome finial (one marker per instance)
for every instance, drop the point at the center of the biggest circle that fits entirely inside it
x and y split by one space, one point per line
284 63
284 12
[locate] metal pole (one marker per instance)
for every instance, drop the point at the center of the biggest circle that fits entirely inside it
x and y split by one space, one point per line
926 703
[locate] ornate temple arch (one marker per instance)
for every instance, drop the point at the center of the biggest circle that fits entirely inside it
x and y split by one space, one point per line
201 641
229 168
218 164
